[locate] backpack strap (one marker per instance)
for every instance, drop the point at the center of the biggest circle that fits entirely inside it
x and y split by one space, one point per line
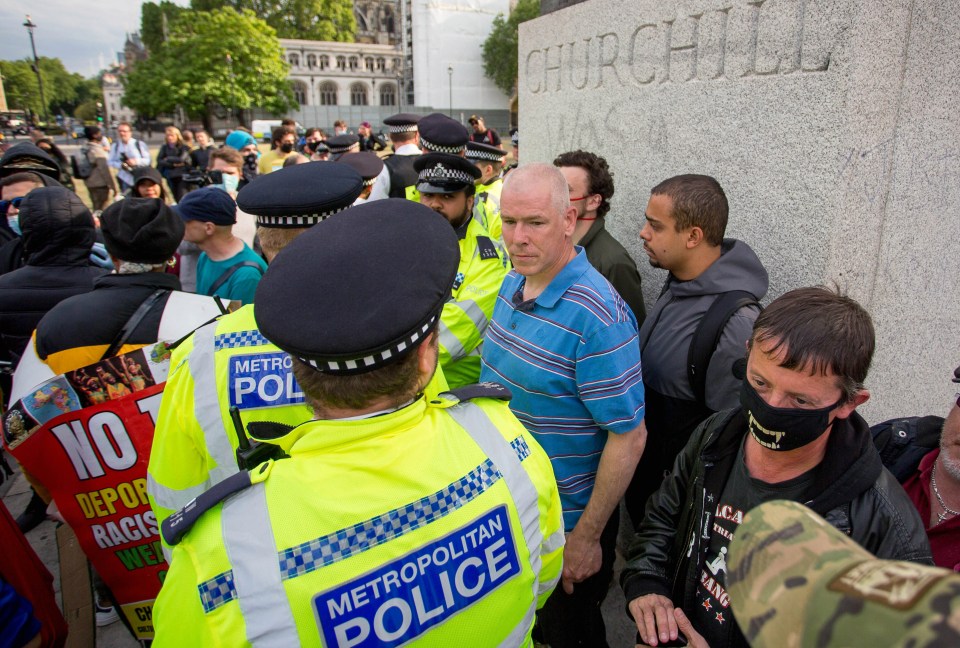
229 272
707 337
124 334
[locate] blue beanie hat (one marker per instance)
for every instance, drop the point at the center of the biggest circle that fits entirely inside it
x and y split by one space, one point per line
238 139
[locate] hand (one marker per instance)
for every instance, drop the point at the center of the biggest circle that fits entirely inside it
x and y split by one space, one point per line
582 557
694 638
654 613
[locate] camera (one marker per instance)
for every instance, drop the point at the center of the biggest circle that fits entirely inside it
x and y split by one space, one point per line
198 179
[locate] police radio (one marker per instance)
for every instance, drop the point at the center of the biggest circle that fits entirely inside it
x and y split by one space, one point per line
251 454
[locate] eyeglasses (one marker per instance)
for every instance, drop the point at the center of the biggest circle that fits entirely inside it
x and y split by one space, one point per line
5 204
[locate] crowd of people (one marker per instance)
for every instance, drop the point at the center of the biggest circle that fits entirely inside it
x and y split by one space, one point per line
470 386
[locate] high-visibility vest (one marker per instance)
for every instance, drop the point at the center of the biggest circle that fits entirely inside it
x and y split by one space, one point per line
487 208
466 315
438 524
224 363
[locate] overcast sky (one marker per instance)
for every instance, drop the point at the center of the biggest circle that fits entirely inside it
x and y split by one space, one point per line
85 35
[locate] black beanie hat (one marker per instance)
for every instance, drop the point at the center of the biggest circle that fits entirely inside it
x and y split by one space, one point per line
141 230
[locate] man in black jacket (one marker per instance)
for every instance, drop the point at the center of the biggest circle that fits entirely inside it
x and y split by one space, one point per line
797 437
58 233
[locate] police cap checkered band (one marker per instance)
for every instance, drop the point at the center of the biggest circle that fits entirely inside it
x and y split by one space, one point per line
301 195
439 148
402 122
443 172
343 143
322 299
480 151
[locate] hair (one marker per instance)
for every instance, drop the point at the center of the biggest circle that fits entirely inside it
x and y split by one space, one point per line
199 131
229 155
549 175
698 201
398 381
187 135
599 177
820 330
280 132
125 123
295 158
274 239
314 129
288 122
175 131
340 124
404 137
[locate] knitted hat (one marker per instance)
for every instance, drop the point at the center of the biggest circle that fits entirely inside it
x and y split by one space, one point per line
238 139
141 230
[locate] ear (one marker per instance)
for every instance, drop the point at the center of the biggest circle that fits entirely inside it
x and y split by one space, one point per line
470 201
569 220
694 237
859 398
594 202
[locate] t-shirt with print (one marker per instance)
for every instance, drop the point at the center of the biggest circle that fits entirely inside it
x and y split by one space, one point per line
712 616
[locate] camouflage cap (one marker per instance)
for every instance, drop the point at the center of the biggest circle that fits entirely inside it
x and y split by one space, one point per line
795 580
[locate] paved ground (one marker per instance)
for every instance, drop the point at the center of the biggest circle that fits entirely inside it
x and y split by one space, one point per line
16 493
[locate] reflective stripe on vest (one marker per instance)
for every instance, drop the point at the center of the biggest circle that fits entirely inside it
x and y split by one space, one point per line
247 535
508 458
449 339
257 584
172 498
206 404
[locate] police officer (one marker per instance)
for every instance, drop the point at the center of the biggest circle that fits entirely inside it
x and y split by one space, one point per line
342 145
447 186
399 174
369 165
489 159
440 134
228 363
398 518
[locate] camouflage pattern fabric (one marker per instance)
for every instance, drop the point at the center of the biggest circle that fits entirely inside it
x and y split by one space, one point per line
794 581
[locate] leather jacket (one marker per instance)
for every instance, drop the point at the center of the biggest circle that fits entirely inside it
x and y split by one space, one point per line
851 489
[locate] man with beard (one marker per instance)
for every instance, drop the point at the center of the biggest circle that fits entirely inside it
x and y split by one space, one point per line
591 188
699 325
446 185
244 142
796 436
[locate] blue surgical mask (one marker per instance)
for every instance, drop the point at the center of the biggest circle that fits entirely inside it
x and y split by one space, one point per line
230 183
13 222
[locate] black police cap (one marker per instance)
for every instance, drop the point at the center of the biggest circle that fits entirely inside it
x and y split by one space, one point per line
367 163
478 151
443 173
357 293
440 134
402 122
301 195
342 143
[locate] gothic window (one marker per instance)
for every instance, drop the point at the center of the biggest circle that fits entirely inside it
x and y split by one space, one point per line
328 93
358 95
341 62
300 92
294 60
311 61
368 63
388 95
396 64
354 62
324 62
381 64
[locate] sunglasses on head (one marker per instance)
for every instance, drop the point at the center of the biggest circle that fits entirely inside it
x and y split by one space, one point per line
5 204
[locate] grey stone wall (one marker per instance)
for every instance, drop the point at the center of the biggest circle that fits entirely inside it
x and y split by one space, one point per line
831 124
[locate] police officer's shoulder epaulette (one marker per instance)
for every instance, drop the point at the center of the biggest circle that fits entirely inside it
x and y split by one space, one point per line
480 390
177 525
486 248
268 430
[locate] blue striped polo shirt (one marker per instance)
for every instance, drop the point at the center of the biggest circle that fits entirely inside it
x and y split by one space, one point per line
571 357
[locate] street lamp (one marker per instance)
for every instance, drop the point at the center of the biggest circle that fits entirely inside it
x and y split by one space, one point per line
450 75
400 90
30 25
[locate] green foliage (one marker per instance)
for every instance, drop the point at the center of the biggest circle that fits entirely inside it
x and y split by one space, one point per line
62 90
212 58
500 48
153 15
86 111
326 20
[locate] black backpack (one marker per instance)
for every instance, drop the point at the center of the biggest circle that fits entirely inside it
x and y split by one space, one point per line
81 164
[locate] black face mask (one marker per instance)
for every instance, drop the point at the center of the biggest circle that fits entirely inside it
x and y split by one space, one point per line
783 428
286 148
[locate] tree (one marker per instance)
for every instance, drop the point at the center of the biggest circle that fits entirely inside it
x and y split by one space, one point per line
500 48
62 90
211 59
325 20
86 111
155 21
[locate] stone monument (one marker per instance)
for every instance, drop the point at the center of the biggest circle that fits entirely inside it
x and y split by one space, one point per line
832 125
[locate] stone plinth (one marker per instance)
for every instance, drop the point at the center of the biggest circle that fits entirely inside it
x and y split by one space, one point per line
832 125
